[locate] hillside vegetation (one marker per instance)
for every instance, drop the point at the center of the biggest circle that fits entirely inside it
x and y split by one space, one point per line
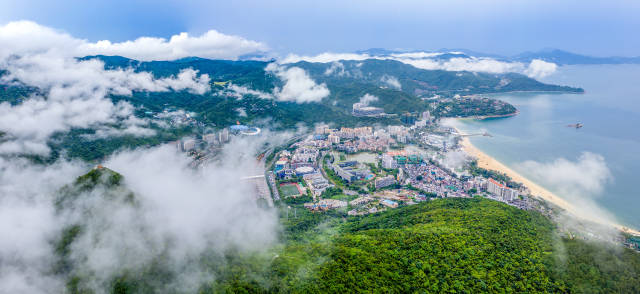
440 246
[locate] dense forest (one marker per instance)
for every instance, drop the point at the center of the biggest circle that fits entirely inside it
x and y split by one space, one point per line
445 245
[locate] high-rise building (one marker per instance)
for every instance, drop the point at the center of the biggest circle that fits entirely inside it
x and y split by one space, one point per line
408 118
388 161
188 145
401 139
426 116
501 190
224 135
333 139
210 138
322 129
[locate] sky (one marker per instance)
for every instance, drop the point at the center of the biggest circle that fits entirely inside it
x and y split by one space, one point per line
599 28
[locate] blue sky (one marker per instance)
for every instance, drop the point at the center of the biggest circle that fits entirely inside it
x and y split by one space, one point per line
309 27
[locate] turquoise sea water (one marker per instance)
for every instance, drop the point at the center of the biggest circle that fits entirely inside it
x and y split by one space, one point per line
610 112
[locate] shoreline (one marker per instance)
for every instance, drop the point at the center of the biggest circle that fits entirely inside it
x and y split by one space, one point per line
487 162
535 91
481 117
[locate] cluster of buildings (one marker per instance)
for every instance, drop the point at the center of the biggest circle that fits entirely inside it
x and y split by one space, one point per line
303 161
325 204
363 109
212 139
351 171
421 179
434 179
317 183
384 181
352 140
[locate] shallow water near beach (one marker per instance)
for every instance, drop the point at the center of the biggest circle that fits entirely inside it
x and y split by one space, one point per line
610 113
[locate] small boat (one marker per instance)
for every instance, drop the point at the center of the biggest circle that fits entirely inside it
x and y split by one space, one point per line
576 125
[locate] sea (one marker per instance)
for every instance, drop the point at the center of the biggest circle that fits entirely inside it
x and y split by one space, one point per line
600 161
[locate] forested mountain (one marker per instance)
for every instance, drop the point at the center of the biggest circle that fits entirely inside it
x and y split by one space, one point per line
420 82
398 88
447 245
347 82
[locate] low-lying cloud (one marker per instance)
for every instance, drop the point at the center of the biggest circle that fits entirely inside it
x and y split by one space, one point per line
540 68
298 86
432 61
366 99
325 57
586 176
337 68
178 215
71 93
241 91
579 182
391 81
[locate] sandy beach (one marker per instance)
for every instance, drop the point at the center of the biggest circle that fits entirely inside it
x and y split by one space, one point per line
488 162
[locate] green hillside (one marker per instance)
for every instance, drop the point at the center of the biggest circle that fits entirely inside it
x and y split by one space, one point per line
217 109
420 82
440 246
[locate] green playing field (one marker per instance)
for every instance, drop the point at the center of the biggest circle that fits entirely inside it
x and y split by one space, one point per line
289 190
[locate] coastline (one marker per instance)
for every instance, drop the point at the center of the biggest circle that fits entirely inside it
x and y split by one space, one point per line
535 91
481 117
487 162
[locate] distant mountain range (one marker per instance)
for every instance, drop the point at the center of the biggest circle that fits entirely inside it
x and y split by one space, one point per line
563 57
557 56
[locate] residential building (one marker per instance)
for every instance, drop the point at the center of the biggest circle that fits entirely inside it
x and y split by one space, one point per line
188 145
333 139
388 161
384 182
501 190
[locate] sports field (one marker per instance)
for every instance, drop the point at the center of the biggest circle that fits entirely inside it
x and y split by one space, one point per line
289 190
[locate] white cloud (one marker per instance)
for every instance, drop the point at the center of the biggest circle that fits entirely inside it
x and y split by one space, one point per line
391 81
540 68
336 68
419 55
428 61
579 182
74 91
30 37
298 86
28 216
180 215
368 98
240 91
465 64
586 176
325 57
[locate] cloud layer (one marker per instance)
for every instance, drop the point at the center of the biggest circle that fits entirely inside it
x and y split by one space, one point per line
366 99
298 86
31 37
72 93
179 215
586 176
432 61
579 182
